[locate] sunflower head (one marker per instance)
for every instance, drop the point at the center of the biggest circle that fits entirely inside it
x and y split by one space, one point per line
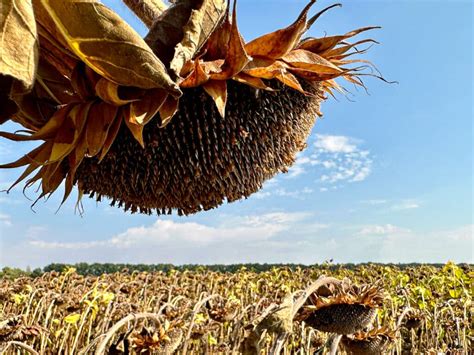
374 342
342 308
197 118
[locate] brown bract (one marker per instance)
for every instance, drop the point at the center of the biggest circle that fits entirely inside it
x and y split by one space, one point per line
82 73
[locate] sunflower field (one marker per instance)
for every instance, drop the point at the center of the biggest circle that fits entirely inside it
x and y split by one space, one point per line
368 309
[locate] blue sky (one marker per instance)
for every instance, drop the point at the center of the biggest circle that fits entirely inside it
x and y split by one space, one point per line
385 178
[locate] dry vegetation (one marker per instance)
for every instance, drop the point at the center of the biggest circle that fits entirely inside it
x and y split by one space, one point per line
373 309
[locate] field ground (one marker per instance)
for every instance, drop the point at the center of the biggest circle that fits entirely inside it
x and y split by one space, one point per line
416 310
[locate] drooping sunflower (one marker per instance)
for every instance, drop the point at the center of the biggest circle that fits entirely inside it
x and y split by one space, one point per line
182 120
343 308
374 342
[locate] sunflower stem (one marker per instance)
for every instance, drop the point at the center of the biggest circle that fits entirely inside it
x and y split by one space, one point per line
335 344
146 10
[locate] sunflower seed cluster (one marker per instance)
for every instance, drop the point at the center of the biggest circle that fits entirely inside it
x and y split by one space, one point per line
200 160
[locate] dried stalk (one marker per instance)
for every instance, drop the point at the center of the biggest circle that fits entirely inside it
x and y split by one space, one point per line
101 348
146 10
20 345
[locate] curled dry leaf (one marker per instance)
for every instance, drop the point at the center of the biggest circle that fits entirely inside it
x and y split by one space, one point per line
107 44
276 44
17 62
183 29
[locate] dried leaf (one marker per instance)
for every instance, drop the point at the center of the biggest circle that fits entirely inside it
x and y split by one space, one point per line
111 135
251 81
217 89
135 128
144 110
100 38
101 118
116 95
203 20
276 44
70 131
17 62
182 30
265 69
197 77
236 57
168 110
290 80
48 131
320 45
304 59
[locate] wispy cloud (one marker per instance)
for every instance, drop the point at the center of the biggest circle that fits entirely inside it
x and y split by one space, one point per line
375 202
272 238
5 220
406 205
282 192
334 160
386 229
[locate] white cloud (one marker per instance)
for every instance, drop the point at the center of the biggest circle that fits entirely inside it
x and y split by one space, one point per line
272 238
334 159
282 192
336 144
382 230
5 220
375 202
406 205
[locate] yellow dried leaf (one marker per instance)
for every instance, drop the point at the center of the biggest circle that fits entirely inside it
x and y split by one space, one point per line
135 128
217 89
236 57
48 131
101 117
144 110
251 81
116 95
183 29
70 131
111 135
168 110
276 44
320 45
100 38
18 53
304 59
197 77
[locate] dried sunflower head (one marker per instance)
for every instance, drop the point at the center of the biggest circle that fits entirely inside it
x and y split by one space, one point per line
374 342
164 340
241 110
343 308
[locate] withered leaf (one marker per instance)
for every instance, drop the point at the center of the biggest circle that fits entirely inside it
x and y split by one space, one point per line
135 128
236 57
141 112
116 95
18 53
197 77
111 135
168 110
70 131
217 89
101 117
304 59
202 22
251 81
320 45
48 131
107 44
276 44
182 30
